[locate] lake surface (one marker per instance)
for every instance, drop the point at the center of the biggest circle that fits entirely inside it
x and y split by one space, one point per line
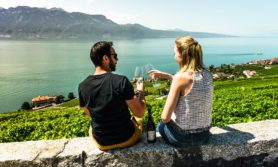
32 68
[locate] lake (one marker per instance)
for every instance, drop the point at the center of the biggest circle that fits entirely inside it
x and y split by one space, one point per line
32 68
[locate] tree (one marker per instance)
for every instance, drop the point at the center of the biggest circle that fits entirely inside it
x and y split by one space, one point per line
25 106
71 95
60 99
211 68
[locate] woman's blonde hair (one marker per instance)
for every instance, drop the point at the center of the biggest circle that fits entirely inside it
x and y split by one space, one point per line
191 52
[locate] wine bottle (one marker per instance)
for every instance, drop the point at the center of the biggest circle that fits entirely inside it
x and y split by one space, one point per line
151 134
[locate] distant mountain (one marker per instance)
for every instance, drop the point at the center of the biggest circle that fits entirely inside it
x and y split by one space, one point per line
39 23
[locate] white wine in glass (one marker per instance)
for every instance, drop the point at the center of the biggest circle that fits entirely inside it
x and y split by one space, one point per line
138 74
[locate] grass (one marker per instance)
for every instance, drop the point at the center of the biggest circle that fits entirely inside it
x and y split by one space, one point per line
234 101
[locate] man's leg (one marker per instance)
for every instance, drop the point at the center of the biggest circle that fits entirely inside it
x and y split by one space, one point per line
131 141
139 123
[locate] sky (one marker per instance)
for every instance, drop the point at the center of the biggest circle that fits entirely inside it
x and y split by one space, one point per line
233 17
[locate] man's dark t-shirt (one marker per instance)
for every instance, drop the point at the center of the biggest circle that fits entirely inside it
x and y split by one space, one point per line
104 95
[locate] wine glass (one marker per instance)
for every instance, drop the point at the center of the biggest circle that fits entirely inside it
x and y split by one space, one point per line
138 74
149 70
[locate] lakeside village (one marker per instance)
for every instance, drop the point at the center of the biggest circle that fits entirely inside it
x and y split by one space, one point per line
41 102
219 73
229 72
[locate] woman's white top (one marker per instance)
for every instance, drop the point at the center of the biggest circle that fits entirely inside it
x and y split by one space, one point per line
193 110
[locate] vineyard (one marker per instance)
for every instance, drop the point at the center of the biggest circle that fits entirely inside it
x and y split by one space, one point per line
234 101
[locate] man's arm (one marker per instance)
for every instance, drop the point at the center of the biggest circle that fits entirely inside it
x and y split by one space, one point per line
137 105
82 104
86 111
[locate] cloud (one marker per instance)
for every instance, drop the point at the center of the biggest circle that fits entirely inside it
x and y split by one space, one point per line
123 18
31 3
14 3
91 1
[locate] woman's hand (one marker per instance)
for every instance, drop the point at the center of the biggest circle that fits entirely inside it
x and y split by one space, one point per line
154 74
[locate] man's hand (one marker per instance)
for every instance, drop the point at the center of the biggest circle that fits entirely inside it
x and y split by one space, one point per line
138 105
140 85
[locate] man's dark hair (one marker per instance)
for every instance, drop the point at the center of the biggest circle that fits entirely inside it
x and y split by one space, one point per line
98 50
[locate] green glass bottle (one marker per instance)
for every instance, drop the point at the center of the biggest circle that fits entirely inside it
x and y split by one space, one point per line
151 133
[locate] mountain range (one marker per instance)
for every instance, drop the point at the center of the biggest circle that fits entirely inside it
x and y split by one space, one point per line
25 22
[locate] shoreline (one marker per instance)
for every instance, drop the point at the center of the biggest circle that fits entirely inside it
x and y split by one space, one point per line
255 62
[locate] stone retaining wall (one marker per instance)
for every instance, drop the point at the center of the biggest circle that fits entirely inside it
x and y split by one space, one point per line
246 144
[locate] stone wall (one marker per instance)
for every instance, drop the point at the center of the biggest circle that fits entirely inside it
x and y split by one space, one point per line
246 144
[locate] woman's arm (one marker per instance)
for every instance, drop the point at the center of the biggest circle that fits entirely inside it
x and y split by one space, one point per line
179 83
172 99
166 76
155 74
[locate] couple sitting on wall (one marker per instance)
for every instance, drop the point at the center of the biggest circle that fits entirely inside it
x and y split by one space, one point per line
108 99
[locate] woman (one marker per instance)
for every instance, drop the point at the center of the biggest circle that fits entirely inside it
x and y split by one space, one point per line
189 101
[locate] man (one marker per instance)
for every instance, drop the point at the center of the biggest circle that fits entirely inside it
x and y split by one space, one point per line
107 98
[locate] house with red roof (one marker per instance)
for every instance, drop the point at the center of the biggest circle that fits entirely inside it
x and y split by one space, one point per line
249 73
43 101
